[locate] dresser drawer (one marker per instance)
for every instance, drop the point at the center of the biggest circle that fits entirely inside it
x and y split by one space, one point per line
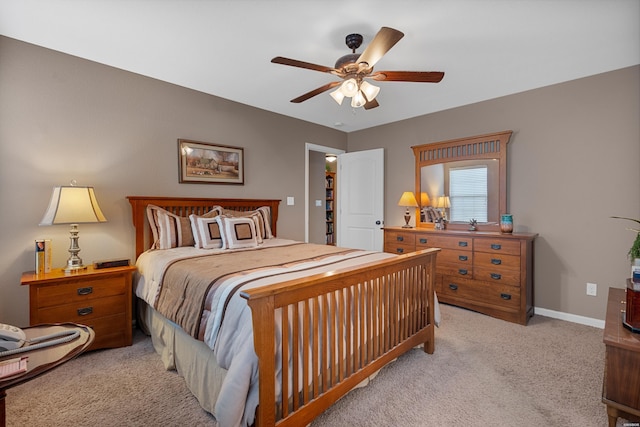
83 311
496 261
463 259
430 241
394 237
398 248
503 246
79 290
454 270
482 293
497 275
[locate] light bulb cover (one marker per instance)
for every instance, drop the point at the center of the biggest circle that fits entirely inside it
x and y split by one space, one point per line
358 100
370 91
337 96
349 87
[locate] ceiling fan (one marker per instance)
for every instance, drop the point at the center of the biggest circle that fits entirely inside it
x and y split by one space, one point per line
355 68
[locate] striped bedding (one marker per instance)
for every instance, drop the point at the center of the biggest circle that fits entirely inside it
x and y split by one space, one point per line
199 290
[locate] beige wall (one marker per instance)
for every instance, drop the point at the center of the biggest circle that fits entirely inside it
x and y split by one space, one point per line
573 157
64 118
574 160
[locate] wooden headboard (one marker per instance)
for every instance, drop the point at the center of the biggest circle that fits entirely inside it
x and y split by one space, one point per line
185 206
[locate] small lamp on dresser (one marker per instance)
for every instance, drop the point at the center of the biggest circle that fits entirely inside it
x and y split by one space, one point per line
73 205
407 200
443 203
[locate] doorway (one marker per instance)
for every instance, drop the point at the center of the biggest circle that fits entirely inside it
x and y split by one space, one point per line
315 216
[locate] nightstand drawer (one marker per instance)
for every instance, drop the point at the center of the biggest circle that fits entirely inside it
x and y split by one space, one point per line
83 311
79 290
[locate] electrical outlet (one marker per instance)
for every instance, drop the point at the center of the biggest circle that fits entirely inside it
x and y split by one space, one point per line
592 289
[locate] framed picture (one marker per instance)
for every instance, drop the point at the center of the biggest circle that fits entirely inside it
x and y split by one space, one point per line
205 163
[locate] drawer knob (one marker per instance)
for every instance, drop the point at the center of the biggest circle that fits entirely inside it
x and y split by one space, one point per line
85 291
496 261
496 276
505 296
423 240
463 271
462 257
400 250
400 238
496 246
85 311
453 286
462 244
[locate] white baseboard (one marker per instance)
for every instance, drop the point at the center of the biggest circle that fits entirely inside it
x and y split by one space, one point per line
570 317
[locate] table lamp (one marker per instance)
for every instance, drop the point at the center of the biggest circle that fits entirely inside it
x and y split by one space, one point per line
407 200
443 203
73 205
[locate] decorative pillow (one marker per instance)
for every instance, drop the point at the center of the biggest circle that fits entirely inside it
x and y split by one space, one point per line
264 219
206 232
237 232
171 231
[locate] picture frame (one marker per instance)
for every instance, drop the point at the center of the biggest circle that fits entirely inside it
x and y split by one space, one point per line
206 163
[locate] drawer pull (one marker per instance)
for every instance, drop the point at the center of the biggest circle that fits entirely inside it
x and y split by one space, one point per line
462 258
496 246
85 291
85 311
496 276
462 244
453 286
505 296
400 238
463 271
423 240
496 261
400 250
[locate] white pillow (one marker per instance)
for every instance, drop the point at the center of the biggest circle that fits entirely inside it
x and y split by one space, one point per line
237 232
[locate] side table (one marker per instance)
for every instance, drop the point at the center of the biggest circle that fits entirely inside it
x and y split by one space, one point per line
44 359
621 384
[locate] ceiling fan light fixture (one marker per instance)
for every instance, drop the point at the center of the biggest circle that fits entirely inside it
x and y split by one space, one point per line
337 96
358 100
370 91
349 87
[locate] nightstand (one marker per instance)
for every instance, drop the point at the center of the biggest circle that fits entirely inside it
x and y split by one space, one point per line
101 299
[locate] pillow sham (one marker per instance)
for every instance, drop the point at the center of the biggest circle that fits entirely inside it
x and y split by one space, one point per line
206 232
237 232
264 219
169 230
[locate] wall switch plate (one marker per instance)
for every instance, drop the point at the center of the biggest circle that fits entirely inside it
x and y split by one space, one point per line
318 202
290 201
592 289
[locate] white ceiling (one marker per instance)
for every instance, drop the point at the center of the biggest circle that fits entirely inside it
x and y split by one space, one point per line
487 48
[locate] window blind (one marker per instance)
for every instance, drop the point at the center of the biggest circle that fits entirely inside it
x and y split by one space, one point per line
468 193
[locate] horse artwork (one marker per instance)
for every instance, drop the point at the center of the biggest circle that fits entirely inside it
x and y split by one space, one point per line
202 162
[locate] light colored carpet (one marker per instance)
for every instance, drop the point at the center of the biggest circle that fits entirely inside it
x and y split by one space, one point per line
485 372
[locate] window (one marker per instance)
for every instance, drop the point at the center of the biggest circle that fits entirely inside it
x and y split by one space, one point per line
468 193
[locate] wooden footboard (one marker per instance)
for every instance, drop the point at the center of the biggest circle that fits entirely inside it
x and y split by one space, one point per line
374 313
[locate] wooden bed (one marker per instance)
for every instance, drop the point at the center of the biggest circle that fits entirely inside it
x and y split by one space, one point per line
384 308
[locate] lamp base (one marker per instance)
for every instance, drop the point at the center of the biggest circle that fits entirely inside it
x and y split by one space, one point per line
407 218
74 263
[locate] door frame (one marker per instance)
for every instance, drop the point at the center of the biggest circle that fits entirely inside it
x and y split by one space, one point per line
322 149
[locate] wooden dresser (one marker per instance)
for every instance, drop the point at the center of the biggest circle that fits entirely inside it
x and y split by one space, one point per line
488 272
621 384
100 299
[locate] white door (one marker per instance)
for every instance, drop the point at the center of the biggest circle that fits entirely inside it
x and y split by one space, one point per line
361 199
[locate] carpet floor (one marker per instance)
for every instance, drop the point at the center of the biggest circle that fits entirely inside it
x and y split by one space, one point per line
485 372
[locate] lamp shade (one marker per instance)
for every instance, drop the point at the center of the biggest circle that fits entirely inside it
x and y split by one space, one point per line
369 90
443 202
337 96
408 200
72 205
424 199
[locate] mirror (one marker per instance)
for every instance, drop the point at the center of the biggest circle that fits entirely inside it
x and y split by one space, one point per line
471 173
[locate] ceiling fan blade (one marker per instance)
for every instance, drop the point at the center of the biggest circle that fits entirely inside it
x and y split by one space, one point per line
408 76
315 92
302 64
381 43
371 104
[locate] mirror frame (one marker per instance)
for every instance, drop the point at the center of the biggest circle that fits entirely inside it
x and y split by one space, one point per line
490 146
